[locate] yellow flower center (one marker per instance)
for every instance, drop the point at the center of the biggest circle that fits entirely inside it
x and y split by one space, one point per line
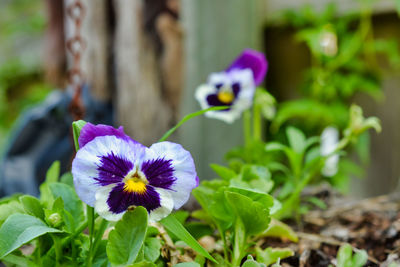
225 97
134 183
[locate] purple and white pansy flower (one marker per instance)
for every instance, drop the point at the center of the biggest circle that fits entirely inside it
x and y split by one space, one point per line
234 87
113 173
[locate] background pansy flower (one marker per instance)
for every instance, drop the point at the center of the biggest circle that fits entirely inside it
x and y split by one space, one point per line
113 172
234 87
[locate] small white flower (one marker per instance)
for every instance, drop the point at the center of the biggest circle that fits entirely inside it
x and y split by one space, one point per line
329 142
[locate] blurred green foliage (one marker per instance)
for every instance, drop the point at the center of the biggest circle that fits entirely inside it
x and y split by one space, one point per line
343 54
22 23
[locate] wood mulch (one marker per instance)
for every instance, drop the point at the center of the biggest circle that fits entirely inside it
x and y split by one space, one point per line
372 224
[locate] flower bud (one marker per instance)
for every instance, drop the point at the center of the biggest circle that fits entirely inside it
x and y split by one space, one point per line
55 219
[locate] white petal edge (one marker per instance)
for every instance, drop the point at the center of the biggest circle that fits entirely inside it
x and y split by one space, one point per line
166 206
184 169
201 94
101 206
87 160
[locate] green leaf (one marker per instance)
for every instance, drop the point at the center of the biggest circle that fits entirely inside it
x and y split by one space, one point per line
187 264
126 239
142 264
344 255
53 173
72 203
250 262
360 259
67 179
152 248
32 206
76 131
9 208
19 229
254 215
263 198
266 102
209 200
275 146
18 260
220 210
51 177
317 202
397 2
259 177
272 255
281 230
173 225
296 139
223 172
198 229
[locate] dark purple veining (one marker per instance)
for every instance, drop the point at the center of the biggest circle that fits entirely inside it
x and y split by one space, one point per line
159 172
112 169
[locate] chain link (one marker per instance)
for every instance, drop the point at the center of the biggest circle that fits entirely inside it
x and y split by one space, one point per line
75 46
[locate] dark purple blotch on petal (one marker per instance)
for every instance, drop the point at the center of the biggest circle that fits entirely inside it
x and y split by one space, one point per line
91 131
159 172
254 60
218 85
112 169
213 100
119 200
236 89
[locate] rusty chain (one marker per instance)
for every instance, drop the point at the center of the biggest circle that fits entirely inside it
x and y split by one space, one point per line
75 46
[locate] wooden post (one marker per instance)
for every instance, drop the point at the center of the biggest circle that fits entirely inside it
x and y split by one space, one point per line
96 61
216 32
141 107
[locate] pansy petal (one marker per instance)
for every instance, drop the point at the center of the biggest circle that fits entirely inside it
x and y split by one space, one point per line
166 206
184 169
91 131
101 162
253 60
158 202
202 92
228 116
218 78
159 172
101 205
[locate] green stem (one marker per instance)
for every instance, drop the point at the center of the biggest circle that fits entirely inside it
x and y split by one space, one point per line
58 248
257 121
239 243
38 255
99 235
188 117
226 254
247 127
90 214
68 239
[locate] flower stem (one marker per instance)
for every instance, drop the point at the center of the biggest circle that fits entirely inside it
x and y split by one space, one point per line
90 214
257 131
58 248
188 117
247 127
239 243
99 235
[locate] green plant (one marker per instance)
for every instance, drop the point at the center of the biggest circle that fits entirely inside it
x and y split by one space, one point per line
345 257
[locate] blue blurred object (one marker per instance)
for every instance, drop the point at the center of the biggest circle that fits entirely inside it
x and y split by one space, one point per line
43 135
